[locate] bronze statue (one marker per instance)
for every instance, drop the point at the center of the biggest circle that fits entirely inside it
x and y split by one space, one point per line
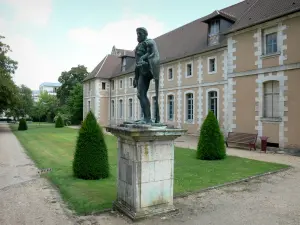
147 68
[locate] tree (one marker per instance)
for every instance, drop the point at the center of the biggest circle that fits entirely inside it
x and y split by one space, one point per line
47 104
8 89
75 104
68 80
90 158
211 144
25 101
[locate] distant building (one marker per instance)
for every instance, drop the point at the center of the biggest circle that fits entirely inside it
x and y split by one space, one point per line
35 95
51 88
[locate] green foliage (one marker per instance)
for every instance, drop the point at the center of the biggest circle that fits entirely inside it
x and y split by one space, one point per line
49 117
211 144
69 79
75 104
59 122
22 124
65 118
8 89
90 158
47 104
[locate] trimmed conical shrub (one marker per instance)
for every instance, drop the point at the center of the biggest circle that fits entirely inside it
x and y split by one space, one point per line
59 122
90 159
22 124
211 144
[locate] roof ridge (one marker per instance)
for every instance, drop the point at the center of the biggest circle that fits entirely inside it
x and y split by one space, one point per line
101 65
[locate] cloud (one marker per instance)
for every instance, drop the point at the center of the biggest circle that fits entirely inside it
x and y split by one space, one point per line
33 66
33 11
92 44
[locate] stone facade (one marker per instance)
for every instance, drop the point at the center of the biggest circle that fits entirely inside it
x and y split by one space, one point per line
234 87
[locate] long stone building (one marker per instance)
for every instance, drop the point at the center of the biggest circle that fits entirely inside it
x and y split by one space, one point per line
242 62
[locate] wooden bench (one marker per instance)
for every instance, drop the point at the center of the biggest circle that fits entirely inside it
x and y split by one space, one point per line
242 138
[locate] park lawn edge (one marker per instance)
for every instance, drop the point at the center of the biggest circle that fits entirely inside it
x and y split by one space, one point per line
69 207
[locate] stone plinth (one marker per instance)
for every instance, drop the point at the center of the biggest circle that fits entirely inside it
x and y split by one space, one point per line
145 169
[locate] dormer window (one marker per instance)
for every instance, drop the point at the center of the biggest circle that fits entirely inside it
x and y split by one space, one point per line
214 30
214 27
123 64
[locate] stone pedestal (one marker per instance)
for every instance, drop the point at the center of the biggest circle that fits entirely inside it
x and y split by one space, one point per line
145 169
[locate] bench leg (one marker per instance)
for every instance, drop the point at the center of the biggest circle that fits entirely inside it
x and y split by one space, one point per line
226 144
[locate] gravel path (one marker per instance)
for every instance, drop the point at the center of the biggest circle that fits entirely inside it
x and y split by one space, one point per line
27 199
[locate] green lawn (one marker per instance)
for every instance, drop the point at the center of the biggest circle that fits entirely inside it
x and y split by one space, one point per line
53 148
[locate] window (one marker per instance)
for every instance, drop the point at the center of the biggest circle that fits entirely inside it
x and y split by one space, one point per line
170 107
130 108
271 99
213 102
188 69
130 81
120 108
90 87
212 66
113 85
189 107
170 73
121 84
112 108
214 27
271 43
103 85
89 106
123 64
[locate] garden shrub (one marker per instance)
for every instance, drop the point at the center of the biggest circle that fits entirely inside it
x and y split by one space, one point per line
59 122
90 158
22 124
211 144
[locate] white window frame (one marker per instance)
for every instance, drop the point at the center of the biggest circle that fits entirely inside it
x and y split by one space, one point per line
186 70
130 83
208 65
121 81
113 108
218 100
170 67
167 110
119 110
132 116
264 104
265 32
185 107
104 85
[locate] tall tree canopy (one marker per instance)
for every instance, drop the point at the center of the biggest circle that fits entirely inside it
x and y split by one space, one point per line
69 80
23 103
8 89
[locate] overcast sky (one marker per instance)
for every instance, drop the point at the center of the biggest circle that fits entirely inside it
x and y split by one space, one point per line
51 36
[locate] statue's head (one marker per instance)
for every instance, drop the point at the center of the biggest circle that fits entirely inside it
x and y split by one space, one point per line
142 34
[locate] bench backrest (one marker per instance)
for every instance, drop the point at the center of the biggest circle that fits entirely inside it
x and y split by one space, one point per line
241 137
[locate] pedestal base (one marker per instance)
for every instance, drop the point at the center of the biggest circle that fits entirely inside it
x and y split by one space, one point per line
145 169
151 211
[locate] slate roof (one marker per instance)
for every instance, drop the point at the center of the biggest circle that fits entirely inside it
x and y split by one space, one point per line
265 10
191 39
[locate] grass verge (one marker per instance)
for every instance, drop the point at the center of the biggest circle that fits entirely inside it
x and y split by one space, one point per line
54 148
